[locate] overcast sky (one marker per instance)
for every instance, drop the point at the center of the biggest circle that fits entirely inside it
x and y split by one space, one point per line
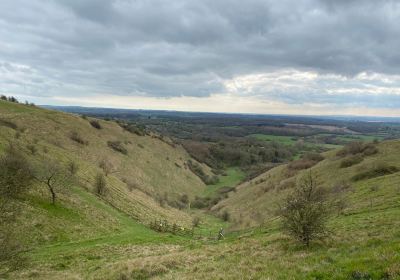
253 56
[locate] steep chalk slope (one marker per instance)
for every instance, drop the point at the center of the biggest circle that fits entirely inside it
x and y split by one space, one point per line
149 171
363 185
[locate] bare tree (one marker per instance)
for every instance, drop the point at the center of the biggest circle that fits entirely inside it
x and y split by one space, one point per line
54 177
306 211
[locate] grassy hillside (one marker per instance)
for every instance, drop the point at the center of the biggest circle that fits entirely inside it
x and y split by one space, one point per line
152 170
256 201
90 236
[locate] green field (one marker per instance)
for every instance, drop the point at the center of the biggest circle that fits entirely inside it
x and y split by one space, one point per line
291 140
232 177
287 140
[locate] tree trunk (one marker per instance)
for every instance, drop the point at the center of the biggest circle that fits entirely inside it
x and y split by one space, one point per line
53 194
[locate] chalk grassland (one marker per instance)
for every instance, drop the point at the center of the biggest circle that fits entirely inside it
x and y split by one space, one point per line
86 236
151 169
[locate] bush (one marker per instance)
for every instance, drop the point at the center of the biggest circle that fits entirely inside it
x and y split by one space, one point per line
184 199
305 212
308 160
137 129
95 124
106 166
196 221
313 156
15 173
32 149
357 147
225 216
198 170
100 184
16 178
301 164
72 167
377 171
350 161
75 136
201 202
9 124
117 146
370 149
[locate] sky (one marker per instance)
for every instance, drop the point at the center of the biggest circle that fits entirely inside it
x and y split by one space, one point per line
308 57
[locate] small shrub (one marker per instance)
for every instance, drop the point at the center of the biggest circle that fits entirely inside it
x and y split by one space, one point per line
106 166
301 164
370 150
72 167
357 147
226 189
32 149
196 221
313 156
117 146
137 129
359 275
340 187
8 123
308 160
377 171
100 184
225 216
305 212
95 124
350 161
75 136
352 148
200 202
15 173
268 188
198 170
184 199
374 188
286 184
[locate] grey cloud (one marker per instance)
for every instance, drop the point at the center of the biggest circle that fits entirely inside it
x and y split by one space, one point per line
187 47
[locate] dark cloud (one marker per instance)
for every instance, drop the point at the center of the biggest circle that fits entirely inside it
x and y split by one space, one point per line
187 47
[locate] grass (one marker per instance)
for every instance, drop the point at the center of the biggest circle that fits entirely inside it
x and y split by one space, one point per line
85 237
151 165
233 177
129 231
291 140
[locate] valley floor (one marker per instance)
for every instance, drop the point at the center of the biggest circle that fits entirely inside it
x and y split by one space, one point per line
365 245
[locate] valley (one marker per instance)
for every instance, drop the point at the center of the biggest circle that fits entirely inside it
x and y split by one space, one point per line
166 193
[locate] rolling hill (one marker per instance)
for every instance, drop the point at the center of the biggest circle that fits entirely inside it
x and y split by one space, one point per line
87 235
152 171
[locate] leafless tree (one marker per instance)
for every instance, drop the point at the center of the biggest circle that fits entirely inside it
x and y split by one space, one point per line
54 176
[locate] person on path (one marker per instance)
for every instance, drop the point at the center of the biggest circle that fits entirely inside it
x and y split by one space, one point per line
221 234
